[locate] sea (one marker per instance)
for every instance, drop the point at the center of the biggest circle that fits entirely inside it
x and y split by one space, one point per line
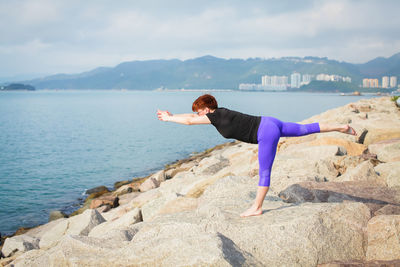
54 145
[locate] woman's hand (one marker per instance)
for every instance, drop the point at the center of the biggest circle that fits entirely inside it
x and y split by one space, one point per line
163 115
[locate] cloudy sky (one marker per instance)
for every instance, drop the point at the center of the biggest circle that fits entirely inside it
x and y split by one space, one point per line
71 36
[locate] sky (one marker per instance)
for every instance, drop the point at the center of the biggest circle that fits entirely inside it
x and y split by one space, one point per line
43 37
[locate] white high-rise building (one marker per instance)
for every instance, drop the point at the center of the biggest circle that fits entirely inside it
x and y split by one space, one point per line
295 80
385 82
393 81
266 80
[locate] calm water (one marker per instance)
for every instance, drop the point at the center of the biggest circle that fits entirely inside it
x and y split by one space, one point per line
56 144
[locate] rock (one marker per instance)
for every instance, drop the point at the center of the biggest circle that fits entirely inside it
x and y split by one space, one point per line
153 207
126 198
132 217
56 214
341 164
340 191
122 234
145 197
198 189
103 208
390 172
383 238
6 261
179 204
386 151
77 225
149 184
97 189
124 189
375 135
159 176
284 235
287 171
171 172
121 183
358 263
214 168
314 152
388 210
112 201
353 149
362 172
19 243
173 244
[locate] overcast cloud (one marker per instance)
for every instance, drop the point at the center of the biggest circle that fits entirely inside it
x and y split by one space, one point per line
54 36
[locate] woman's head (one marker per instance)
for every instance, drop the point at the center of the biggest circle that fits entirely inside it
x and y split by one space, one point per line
203 102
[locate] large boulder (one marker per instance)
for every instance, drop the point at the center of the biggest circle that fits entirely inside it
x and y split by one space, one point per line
19 243
77 225
390 172
387 150
285 235
362 172
383 238
131 217
169 244
149 184
376 135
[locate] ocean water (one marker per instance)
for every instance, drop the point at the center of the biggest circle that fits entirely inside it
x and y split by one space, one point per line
56 144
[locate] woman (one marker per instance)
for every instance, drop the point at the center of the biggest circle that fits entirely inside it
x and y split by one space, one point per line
264 131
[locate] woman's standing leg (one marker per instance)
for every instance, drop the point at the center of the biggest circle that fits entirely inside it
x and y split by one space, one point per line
268 137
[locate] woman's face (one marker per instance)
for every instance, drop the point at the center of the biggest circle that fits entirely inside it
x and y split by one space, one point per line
203 111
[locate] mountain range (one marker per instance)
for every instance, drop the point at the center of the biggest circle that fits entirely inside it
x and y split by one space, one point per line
210 72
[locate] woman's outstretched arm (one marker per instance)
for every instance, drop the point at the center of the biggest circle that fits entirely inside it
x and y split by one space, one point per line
178 115
188 119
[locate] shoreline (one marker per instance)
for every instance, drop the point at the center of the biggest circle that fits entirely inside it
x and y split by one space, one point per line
80 202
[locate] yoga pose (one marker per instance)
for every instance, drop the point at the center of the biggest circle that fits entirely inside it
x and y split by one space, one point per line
264 131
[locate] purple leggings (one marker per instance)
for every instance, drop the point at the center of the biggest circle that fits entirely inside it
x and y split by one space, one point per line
269 132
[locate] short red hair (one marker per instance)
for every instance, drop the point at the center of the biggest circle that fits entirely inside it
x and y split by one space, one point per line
205 101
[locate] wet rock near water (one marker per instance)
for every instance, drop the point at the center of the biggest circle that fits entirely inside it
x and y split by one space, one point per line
56 214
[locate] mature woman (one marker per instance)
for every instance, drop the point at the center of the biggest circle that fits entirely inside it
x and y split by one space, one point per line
264 131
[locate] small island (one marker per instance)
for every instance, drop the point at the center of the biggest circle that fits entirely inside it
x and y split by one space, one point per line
17 87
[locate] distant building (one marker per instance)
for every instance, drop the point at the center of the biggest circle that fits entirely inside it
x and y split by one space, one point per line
347 79
306 79
366 83
323 77
374 83
370 83
385 82
266 80
393 81
295 80
279 81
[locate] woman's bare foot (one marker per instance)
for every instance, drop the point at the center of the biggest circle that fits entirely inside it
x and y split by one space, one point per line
252 211
348 130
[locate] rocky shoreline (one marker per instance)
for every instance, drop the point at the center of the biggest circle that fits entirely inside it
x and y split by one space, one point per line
334 200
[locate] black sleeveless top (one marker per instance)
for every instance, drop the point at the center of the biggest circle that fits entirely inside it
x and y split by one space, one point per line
236 125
